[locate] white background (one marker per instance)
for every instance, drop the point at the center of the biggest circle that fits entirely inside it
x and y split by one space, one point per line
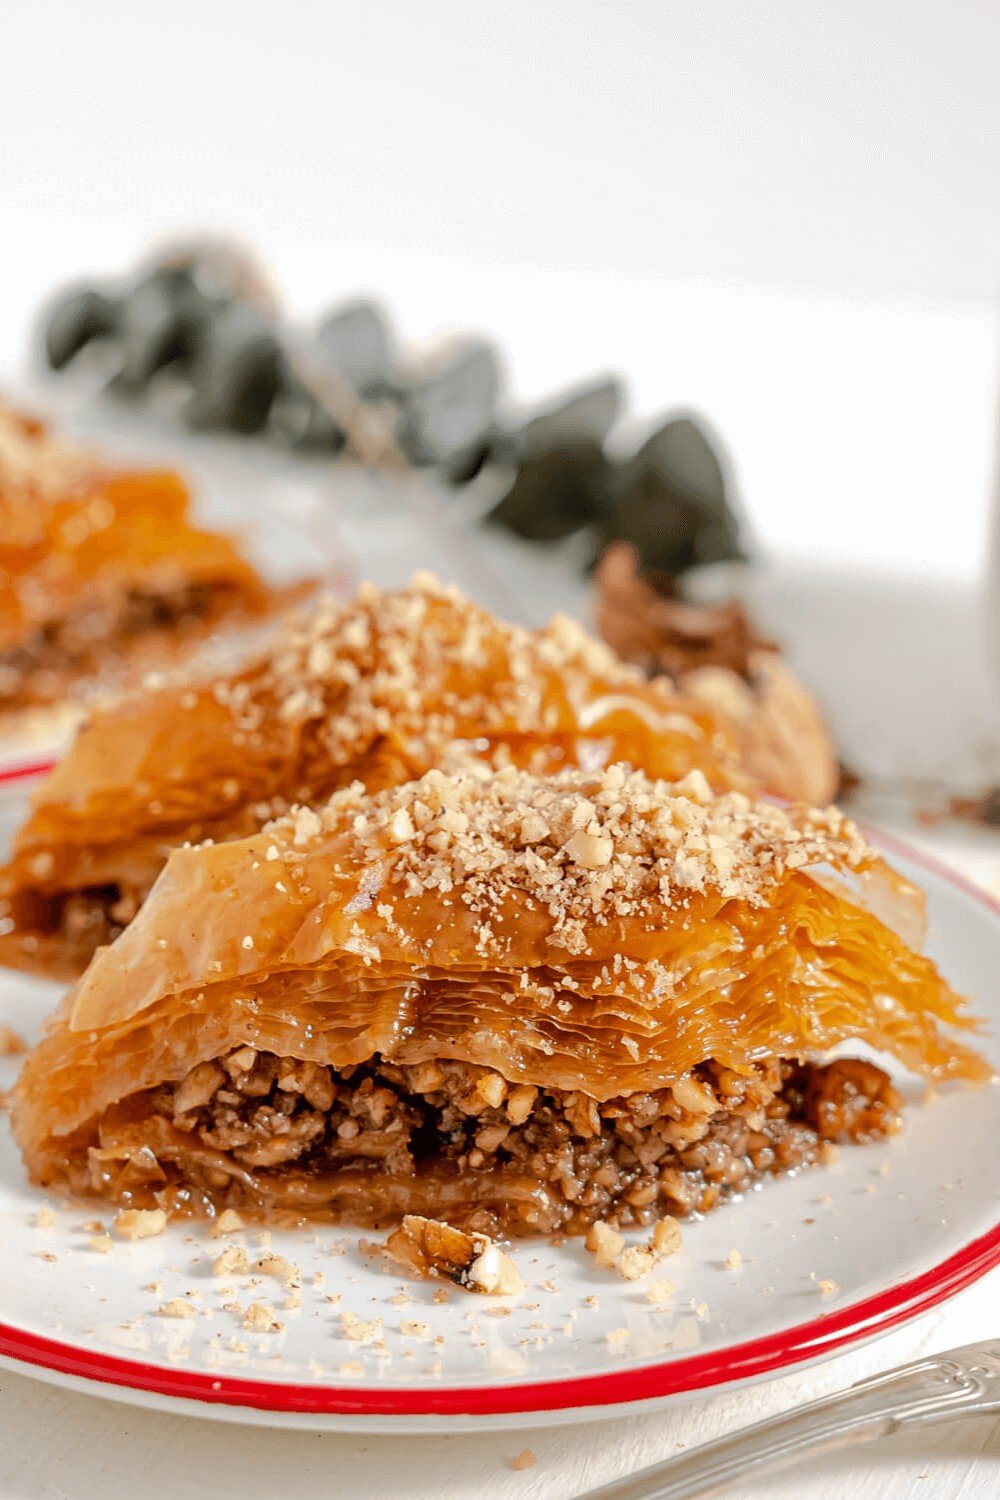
784 214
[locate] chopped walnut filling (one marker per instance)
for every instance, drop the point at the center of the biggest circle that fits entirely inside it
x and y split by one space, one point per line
265 1111
564 1163
88 918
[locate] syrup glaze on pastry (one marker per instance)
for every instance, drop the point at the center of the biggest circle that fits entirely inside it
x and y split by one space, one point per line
517 1002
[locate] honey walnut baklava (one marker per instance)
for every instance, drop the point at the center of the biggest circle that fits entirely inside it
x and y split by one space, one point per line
381 689
519 1003
102 573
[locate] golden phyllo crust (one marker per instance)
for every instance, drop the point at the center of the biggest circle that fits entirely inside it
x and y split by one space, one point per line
538 999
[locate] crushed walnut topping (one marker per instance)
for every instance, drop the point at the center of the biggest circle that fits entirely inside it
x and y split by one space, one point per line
35 463
424 667
614 845
372 657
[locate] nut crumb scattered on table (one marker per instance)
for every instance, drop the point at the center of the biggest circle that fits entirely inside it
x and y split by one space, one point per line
140 1223
177 1307
232 1262
228 1222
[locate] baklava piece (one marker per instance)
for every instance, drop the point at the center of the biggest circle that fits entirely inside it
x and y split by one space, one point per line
520 1004
715 654
380 690
103 575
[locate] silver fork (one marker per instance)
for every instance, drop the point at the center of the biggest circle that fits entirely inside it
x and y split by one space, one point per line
959 1382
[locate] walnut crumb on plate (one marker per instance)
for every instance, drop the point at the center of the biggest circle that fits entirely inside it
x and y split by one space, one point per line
177 1307
605 1244
285 1271
359 1330
412 1328
232 1262
140 1223
228 1222
633 1261
666 1237
660 1292
259 1317
431 1247
523 1460
636 1261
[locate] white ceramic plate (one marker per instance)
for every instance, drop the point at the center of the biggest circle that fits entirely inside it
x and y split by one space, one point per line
835 1255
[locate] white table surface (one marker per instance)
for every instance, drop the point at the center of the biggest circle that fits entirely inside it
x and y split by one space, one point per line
55 1445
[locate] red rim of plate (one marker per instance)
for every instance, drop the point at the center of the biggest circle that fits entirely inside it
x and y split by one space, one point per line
820 1336
26 770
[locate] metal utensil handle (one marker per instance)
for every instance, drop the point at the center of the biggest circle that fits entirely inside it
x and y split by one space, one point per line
960 1381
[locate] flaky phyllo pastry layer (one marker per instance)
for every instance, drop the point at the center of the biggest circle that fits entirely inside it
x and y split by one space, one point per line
102 571
381 690
511 1001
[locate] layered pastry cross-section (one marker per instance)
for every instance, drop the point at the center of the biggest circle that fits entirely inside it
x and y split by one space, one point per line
381 689
519 1003
103 574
